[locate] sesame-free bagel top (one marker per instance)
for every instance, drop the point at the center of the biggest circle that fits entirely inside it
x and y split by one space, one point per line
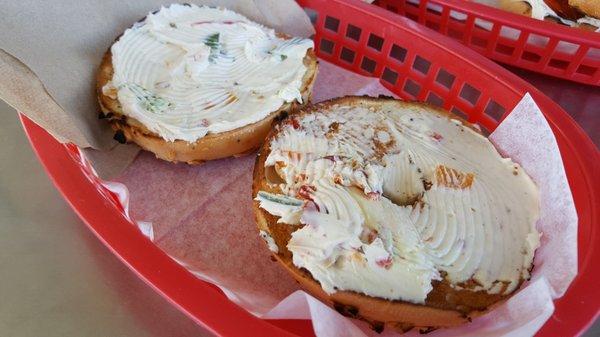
388 198
186 71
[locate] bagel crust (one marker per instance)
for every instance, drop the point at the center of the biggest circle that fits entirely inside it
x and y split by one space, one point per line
590 8
236 142
445 306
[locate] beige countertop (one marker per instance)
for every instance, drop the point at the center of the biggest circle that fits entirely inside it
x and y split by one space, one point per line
57 279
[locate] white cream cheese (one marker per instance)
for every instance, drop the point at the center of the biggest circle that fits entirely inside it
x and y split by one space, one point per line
540 10
186 71
590 21
269 241
393 199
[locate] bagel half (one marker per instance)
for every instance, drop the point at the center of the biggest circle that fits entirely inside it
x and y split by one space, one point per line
569 11
234 142
588 7
445 306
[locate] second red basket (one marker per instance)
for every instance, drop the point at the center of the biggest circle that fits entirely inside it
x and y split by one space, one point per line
540 46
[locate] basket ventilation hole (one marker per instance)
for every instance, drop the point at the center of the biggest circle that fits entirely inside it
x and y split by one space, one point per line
412 88
504 49
433 25
421 65
559 64
412 16
481 23
510 33
458 16
347 55
392 8
433 9
566 47
434 99
398 53
332 23
494 110
368 65
326 46
478 41
389 76
470 94
586 70
593 53
353 32
445 79
375 42
537 40
455 34
414 4
459 113
532 57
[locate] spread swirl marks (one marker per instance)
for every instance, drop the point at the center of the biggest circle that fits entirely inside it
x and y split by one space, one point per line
186 71
395 196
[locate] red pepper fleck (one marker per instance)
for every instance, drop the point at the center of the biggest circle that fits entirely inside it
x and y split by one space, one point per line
305 190
385 263
373 196
437 136
295 123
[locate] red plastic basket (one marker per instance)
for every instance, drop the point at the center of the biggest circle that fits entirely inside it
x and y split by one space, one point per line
415 64
536 45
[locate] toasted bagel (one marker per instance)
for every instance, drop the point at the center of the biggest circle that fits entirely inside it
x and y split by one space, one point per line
572 10
588 7
234 142
446 305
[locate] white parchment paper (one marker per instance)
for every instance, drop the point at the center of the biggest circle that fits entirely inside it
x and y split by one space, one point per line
202 217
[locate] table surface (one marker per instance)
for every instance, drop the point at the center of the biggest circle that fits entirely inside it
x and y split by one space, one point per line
59 280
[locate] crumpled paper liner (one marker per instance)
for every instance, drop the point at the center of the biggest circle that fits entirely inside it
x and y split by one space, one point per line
202 217
50 52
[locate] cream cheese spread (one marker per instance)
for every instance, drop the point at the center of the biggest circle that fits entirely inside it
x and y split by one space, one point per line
269 241
540 10
391 199
186 71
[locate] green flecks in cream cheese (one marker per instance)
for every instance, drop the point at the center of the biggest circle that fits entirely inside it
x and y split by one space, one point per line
205 70
279 198
212 41
148 100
